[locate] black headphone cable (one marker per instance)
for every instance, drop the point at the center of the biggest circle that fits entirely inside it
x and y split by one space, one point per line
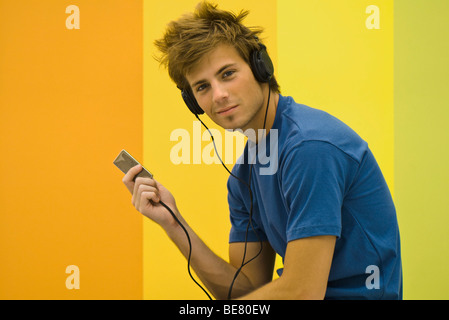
190 246
248 185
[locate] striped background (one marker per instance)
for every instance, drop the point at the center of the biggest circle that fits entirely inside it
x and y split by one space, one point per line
70 100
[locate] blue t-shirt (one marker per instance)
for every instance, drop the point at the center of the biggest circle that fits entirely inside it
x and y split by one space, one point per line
313 175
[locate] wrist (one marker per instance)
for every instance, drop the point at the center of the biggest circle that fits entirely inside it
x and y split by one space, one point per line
173 226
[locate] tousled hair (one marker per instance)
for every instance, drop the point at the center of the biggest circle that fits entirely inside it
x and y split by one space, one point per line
195 34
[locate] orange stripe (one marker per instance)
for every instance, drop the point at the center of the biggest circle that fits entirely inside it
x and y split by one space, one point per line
70 101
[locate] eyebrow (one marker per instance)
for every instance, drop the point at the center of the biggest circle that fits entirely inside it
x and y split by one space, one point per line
216 74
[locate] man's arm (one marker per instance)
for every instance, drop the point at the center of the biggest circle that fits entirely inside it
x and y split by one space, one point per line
213 271
217 274
306 271
257 272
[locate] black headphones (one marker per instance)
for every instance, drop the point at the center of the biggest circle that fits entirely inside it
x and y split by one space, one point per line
260 64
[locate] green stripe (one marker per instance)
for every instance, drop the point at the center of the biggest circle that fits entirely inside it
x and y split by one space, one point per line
421 144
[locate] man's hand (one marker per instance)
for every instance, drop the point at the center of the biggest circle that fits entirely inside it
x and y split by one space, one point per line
146 195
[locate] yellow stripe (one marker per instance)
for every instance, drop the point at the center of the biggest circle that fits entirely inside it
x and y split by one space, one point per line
328 59
200 189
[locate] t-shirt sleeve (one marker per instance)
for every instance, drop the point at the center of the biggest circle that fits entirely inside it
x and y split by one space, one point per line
314 177
239 214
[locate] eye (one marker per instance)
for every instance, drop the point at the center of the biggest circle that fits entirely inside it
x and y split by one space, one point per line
228 73
201 87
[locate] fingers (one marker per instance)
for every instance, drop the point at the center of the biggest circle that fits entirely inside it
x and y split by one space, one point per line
142 182
146 192
129 177
145 189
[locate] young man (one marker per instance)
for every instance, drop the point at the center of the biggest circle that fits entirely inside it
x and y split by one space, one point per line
326 209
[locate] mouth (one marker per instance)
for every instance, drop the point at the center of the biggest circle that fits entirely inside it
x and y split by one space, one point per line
227 110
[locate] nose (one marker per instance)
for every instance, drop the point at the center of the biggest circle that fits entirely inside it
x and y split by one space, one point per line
220 93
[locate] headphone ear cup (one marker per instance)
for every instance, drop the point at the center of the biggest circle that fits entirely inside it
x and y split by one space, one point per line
191 102
261 64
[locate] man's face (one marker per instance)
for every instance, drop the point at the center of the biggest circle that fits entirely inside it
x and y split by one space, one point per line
225 88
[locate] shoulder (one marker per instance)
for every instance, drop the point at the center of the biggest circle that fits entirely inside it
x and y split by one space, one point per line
301 125
313 162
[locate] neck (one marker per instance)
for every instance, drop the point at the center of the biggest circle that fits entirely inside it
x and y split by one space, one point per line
266 115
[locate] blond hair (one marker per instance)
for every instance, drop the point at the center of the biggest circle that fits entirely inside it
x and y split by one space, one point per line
189 38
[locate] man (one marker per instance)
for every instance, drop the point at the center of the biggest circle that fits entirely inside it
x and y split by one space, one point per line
326 209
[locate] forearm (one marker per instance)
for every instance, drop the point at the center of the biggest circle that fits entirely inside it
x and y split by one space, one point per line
214 272
155 202
282 289
306 271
